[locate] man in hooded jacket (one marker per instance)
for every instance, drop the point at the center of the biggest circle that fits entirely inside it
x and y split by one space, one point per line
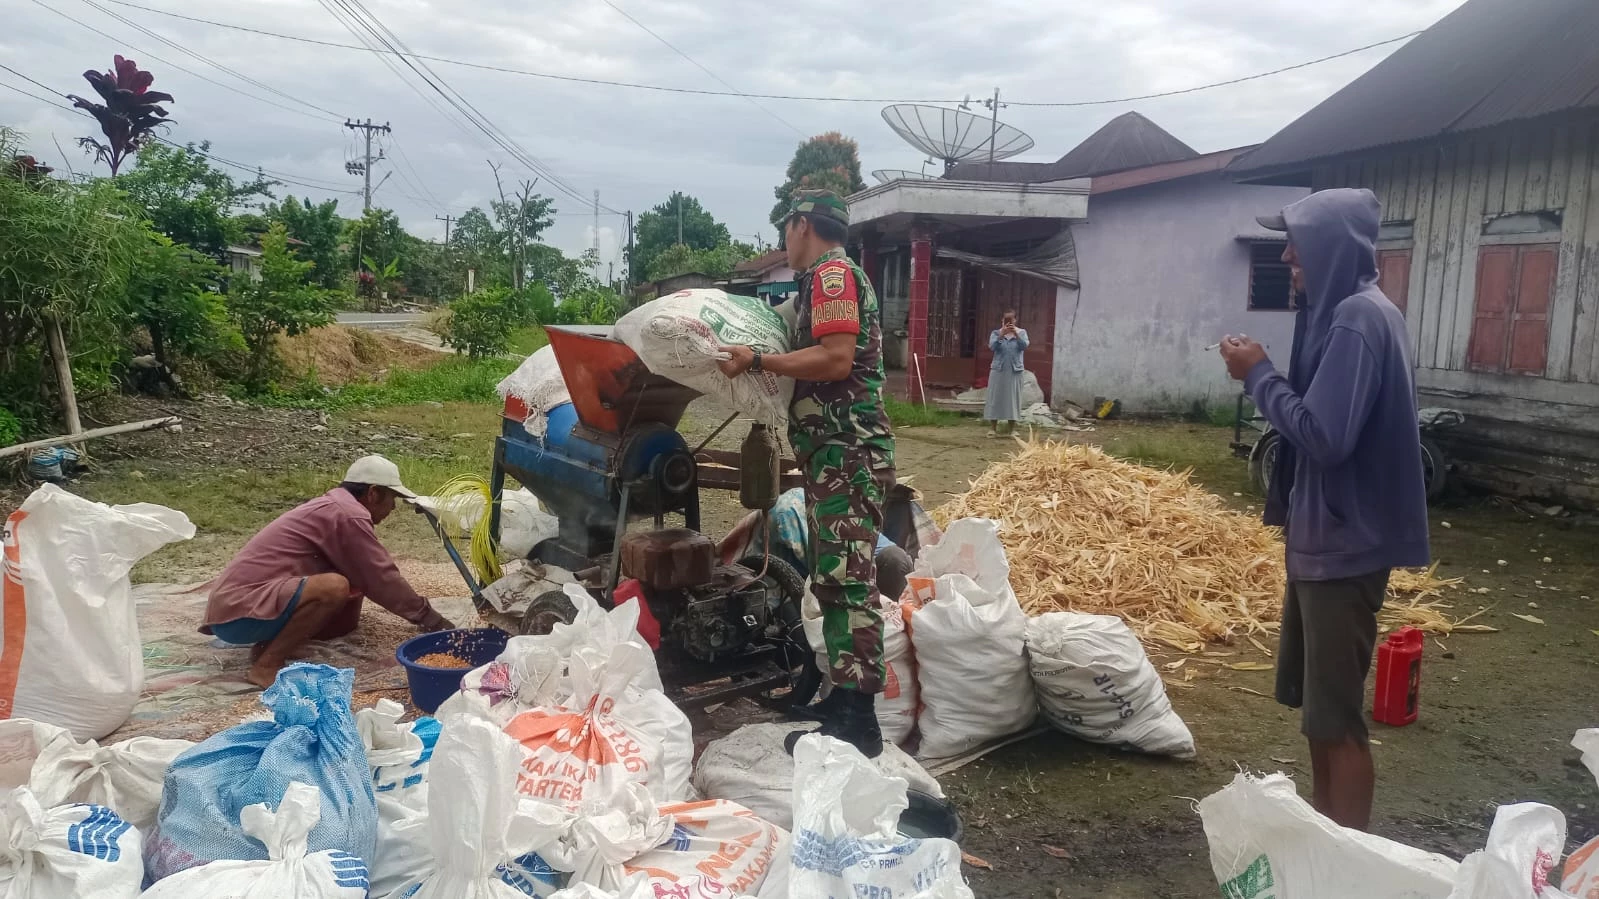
1347 486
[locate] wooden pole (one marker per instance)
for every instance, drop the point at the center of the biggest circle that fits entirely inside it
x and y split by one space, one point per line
69 396
170 421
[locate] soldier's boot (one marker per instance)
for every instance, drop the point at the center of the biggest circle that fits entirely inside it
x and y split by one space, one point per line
852 719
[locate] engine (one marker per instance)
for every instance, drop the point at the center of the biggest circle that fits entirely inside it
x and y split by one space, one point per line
708 613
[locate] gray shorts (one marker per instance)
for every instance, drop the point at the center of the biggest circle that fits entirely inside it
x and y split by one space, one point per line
1329 630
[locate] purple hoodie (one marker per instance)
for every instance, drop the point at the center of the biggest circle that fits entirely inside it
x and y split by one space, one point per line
1347 408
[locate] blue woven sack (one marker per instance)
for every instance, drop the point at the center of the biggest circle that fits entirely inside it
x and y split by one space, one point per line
312 740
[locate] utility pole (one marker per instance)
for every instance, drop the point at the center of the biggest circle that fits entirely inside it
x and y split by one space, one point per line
596 234
630 248
680 218
993 134
446 219
366 168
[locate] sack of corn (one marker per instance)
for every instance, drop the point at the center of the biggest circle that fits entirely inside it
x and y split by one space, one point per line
678 337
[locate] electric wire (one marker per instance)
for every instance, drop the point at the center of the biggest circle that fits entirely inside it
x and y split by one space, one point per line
369 29
696 63
211 62
181 68
633 85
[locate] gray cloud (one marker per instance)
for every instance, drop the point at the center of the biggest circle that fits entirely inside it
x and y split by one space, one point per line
637 146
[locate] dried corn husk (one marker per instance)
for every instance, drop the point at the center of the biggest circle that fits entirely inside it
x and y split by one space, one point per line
1090 533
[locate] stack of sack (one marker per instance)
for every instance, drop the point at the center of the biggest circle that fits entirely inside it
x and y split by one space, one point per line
967 667
1266 840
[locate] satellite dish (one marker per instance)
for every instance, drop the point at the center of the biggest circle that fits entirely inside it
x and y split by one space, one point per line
955 135
884 176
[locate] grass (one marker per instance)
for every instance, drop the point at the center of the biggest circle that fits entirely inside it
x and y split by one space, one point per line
455 379
526 341
915 415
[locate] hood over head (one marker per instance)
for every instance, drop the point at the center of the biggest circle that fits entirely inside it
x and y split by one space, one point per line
1334 233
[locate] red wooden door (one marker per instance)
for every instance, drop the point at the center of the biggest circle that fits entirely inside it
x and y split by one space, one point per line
1529 321
1034 302
1496 269
1510 328
945 365
1393 275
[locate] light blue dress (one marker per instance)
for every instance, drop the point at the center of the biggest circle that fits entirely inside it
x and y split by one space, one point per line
1004 400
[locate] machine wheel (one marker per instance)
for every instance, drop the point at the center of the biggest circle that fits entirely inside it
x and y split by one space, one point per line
1434 468
799 660
1262 459
546 611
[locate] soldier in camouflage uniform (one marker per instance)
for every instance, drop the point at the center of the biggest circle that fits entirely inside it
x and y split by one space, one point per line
845 448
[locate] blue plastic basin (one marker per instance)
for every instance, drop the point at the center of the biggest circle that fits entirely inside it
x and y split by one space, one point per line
559 422
431 686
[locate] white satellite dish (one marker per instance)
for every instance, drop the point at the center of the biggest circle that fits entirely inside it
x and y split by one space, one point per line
884 176
954 135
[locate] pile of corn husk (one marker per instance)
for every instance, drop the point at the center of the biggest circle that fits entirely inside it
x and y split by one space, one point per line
1086 532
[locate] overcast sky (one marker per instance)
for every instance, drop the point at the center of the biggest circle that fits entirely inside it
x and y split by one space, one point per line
636 146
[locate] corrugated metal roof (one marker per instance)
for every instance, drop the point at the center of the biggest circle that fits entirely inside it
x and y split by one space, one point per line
1487 63
1129 141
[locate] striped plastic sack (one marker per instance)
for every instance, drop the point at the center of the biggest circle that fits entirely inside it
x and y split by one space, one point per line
312 740
484 842
289 869
66 852
399 756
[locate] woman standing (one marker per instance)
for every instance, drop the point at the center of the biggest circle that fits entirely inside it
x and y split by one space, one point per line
1005 376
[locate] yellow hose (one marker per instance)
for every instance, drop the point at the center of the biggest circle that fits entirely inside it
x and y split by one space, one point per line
469 498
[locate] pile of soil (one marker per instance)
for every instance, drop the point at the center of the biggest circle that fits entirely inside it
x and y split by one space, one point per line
336 355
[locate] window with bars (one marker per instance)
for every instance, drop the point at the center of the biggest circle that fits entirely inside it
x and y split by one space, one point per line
1270 283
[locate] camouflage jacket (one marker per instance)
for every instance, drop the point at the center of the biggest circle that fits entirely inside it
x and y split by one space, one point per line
836 298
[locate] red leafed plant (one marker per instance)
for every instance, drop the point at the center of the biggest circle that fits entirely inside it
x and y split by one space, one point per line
130 113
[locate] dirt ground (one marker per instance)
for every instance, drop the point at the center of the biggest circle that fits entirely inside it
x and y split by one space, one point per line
1051 816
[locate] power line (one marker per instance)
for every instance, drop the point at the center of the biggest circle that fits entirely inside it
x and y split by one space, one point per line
35 96
209 61
297 180
418 184
717 78
359 19
633 85
174 65
1215 84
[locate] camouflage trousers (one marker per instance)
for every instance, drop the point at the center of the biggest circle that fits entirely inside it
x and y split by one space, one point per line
844 491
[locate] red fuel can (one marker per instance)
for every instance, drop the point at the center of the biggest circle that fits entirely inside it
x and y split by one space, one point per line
1398 678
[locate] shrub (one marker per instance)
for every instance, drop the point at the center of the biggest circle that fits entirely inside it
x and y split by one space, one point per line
10 428
480 324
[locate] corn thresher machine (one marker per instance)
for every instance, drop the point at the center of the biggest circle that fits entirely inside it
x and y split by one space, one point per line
616 457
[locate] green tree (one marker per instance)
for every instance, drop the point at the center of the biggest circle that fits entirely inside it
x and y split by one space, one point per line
172 294
280 301
717 261
318 227
188 200
66 252
828 161
377 234
657 231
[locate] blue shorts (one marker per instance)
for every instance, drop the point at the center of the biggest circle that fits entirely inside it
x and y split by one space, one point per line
249 631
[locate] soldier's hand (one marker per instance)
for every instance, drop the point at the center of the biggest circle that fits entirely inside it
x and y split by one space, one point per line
738 361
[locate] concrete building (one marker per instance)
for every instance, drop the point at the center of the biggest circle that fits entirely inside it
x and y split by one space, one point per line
1481 139
767 275
1124 259
1170 260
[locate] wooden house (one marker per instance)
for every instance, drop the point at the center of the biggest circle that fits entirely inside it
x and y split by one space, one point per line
1481 139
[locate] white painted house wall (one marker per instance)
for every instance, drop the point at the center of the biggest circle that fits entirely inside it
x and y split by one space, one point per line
1163 275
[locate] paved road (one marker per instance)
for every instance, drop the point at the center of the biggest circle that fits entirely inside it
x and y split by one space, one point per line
381 320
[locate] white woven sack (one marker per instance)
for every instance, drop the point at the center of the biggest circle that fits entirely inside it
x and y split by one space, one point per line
677 337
